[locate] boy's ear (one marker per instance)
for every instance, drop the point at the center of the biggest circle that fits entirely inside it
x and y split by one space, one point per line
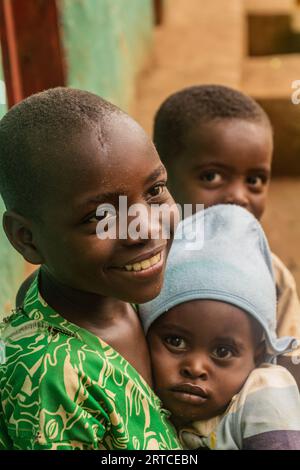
18 231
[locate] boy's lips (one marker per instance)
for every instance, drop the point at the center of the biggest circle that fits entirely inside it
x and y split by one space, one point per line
190 393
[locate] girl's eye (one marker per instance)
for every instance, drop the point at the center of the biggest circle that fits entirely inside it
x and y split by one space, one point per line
98 218
211 177
222 352
175 342
157 190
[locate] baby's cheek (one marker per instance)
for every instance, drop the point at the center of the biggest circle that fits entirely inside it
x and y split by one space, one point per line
161 369
237 381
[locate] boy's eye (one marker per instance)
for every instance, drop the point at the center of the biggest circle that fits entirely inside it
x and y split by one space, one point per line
256 182
176 342
211 177
157 190
222 352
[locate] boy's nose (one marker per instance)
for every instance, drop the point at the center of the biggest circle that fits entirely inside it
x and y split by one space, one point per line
237 193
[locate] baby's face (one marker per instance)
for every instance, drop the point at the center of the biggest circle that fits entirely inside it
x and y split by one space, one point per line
226 161
92 173
202 353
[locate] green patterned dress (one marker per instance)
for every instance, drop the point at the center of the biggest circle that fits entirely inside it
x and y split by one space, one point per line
63 388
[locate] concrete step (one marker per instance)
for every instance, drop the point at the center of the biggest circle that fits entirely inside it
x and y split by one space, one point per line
199 42
269 81
280 7
271 27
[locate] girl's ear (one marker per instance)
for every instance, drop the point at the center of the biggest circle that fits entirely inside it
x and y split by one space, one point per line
260 353
19 232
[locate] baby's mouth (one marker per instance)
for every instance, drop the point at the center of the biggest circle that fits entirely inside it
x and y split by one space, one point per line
192 389
190 393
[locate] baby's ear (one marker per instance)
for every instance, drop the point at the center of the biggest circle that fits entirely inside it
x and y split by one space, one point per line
19 232
260 353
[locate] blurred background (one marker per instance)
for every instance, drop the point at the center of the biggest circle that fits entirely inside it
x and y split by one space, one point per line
136 52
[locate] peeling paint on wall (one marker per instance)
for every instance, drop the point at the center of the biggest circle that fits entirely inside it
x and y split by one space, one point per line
105 43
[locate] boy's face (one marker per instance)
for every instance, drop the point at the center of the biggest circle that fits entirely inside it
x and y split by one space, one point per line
202 352
226 161
89 174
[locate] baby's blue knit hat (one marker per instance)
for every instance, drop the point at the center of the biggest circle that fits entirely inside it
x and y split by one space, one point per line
231 263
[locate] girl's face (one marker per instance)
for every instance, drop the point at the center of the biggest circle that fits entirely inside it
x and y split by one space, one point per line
129 269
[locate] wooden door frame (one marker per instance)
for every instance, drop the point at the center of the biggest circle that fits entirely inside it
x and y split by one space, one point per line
158 9
32 52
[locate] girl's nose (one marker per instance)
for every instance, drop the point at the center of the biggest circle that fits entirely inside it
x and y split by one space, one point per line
136 226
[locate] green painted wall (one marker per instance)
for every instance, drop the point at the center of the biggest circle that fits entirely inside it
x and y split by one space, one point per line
11 263
106 42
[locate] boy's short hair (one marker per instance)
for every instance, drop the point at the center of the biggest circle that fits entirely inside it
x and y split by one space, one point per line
37 129
196 105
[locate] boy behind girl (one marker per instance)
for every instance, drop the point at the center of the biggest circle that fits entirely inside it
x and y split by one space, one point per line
217 146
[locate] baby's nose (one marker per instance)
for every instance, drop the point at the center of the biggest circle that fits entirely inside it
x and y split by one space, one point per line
195 369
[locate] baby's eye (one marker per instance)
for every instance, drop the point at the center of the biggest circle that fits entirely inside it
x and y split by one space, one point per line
157 190
175 342
211 177
222 352
256 181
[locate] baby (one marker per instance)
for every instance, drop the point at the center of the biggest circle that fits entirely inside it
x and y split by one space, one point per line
212 339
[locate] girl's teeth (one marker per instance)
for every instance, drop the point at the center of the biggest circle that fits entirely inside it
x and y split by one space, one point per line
145 264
